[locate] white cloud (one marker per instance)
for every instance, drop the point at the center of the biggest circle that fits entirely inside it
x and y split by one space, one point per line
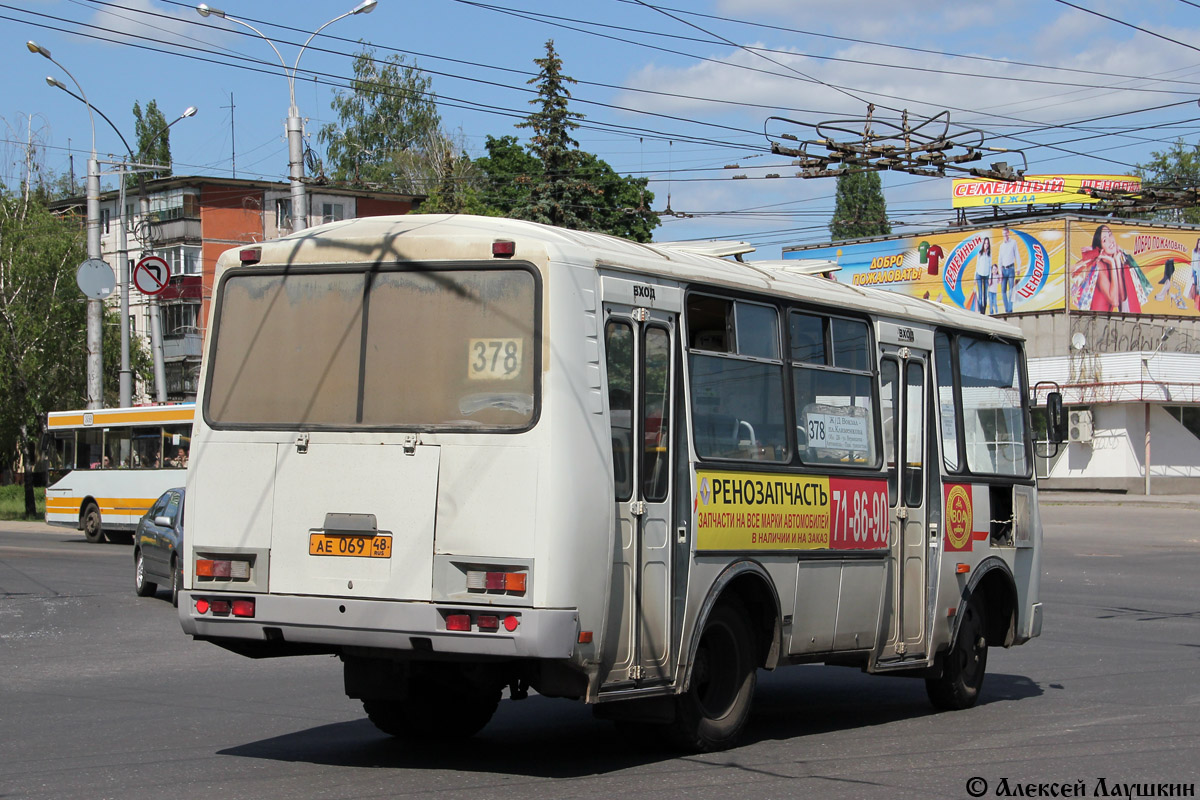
144 22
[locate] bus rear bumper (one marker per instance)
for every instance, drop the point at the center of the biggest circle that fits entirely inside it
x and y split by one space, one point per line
336 622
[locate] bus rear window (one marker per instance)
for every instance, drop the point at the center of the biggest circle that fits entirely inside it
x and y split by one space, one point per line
450 348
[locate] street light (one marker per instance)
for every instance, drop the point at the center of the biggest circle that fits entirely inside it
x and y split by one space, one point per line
295 124
125 386
95 312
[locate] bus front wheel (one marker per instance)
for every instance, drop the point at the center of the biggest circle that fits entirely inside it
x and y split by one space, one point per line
710 715
90 522
965 664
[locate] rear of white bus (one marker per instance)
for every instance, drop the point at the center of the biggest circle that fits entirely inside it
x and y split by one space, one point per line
364 476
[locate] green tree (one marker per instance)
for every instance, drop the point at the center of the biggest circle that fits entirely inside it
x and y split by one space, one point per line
1176 168
557 194
388 114
620 206
153 141
859 208
507 173
42 322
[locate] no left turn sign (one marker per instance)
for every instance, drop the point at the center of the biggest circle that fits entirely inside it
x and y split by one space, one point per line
151 275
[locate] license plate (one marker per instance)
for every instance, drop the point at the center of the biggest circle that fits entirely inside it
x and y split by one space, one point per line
325 544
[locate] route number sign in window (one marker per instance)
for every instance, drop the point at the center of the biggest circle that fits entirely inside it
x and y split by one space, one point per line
493 359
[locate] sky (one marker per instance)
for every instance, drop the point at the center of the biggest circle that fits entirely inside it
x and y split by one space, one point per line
684 92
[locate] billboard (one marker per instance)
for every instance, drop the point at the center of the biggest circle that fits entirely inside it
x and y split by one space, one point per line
1010 269
1134 269
1036 189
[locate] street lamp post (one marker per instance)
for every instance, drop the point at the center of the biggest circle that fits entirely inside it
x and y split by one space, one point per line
95 311
295 123
123 168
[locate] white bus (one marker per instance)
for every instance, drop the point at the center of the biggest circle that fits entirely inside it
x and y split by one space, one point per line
106 467
468 454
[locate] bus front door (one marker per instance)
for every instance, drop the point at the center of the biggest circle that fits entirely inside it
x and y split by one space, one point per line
639 350
902 379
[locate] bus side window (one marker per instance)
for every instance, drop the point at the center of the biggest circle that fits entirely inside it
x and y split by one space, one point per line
88 450
618 353
889 379
736 377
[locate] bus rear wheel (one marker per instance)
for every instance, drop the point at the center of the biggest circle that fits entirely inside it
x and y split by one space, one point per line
90 522
710 715
446 711
965 665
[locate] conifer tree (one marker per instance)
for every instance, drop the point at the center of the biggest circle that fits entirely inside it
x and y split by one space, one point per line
859 209
558 195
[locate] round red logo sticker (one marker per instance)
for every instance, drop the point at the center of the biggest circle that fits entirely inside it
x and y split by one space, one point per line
959 517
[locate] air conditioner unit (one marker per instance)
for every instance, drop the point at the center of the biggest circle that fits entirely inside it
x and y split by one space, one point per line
1080 425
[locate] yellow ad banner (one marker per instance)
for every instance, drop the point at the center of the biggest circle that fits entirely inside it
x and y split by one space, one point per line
770 511
1037 189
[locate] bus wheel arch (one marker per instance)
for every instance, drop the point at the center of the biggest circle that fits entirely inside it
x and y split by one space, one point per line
738 633
994 587
90 521
986 616
747 583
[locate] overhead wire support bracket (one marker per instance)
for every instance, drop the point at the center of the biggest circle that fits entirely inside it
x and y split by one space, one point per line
927 147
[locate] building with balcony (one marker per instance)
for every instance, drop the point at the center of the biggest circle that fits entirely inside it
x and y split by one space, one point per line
189 222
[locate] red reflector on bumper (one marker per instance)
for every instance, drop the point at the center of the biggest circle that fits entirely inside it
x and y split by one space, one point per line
458 622
511 622
201 606
220 607
488 622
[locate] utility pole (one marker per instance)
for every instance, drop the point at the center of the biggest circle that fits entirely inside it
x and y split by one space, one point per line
95 309
232 141
295 123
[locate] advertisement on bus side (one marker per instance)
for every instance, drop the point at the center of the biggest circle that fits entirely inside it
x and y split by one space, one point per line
769 511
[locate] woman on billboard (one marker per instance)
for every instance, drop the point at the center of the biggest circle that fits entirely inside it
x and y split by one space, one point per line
983 275
1107 278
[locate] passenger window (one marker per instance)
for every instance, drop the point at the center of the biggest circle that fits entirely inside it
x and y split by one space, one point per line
757 330
736 380
833 404
850 344
807 338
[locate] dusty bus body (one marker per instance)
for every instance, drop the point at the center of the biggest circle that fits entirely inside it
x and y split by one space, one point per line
469 454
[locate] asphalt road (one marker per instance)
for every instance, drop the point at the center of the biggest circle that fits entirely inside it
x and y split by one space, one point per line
102 696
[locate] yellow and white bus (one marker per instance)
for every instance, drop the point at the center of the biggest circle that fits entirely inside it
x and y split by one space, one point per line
468 454
106 467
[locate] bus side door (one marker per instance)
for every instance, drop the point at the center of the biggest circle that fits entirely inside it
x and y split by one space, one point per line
903 373
640 347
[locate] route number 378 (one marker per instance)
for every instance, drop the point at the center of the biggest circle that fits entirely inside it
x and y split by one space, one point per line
493 359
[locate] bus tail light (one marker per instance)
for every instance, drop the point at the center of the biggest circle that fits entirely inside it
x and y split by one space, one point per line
238 606
480 581
511 622
228 569
458 622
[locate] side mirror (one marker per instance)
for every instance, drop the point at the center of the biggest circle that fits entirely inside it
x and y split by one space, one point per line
163 522
1056 419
